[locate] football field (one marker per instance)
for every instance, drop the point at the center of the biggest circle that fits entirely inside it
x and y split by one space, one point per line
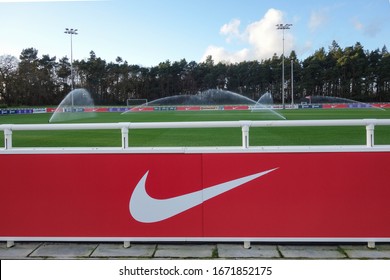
197 137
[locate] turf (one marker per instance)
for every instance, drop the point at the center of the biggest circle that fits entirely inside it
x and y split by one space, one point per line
203 136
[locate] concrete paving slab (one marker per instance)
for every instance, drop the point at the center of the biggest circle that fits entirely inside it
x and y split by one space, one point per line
184 251
21 250
115 250
383 246
378 246
363 252
256 251
311 252
64 250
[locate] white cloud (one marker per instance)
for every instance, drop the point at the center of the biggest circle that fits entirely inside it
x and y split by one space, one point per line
220 54
231 30
265 38
262 37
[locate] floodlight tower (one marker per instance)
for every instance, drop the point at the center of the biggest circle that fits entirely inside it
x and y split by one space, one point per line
292 82
283 27
71 32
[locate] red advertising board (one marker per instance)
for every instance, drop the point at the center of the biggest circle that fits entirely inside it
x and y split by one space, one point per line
335 106
188 108
141 109
381 105
237 107
299 195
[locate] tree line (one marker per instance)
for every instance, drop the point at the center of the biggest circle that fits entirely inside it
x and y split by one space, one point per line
351 72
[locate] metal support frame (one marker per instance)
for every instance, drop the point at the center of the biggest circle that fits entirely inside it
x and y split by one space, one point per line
244 125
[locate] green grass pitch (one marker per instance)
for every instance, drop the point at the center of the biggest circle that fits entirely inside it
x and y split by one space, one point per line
203 136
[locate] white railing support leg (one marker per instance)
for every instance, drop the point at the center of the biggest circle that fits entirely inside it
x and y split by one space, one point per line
10 243
371 245
125 137
247 244
126 244
245 137
8 138
370 135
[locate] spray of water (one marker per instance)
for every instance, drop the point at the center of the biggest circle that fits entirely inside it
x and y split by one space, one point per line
264 105
318 99
78 104
205 98
216 97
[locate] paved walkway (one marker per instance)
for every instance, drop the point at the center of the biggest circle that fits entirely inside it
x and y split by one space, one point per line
67 250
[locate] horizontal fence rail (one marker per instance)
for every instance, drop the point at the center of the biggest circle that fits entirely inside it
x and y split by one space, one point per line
244 125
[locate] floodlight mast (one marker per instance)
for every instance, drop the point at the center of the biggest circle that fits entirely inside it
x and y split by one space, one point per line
283 27
71 32
292 83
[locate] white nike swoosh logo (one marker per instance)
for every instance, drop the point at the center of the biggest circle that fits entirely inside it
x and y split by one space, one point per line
147 209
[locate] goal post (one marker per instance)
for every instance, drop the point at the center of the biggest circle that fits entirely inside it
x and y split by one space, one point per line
133 102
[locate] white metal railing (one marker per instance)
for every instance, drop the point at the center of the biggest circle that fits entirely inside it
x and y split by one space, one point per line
245 126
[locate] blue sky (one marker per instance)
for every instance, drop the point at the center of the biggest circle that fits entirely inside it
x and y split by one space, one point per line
147 32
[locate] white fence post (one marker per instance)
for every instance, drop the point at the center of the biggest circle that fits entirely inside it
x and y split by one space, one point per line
8 138
370 135
125 135
245 136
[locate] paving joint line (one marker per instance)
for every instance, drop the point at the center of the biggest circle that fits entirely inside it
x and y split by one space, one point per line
280 252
